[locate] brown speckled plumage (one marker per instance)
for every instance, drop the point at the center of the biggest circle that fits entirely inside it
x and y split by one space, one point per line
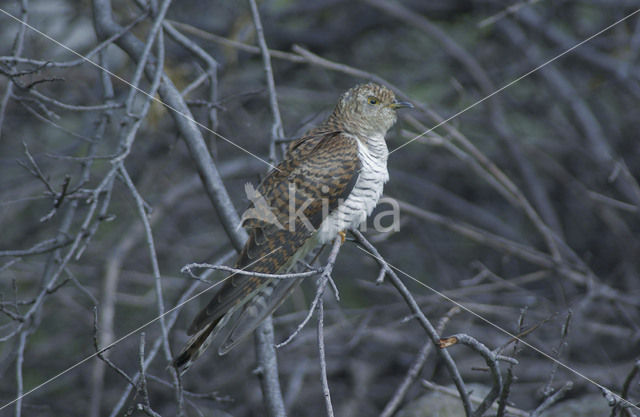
322 167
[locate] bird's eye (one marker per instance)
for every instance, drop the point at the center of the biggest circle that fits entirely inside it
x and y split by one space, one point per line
373 100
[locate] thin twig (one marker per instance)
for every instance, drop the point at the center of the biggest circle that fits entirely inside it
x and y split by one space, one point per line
101 352
323 364
548 389
210 73
38 96
48 245
143 377
277 131
35 170
627 384
19 376
97 49
16 51
324 278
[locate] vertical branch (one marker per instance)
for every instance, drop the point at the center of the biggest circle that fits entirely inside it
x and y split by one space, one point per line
548 388
143 377
322 282
277 131
146 53
264 335
18 45
19 381
504 395
268 370
153 257
212 71
323 364
108 295
147 227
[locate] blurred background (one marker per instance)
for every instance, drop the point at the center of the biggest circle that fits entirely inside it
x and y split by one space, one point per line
522 208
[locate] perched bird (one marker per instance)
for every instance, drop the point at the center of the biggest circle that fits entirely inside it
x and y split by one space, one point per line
329 181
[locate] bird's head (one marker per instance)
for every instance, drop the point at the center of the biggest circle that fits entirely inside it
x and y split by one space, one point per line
368 109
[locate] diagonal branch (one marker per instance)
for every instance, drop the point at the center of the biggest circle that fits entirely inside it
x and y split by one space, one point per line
206 167
422 319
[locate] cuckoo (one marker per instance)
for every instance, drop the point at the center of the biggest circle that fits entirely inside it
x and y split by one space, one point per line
329 181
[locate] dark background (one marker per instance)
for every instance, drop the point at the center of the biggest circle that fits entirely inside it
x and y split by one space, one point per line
535 188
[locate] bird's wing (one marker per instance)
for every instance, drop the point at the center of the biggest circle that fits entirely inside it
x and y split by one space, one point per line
321 168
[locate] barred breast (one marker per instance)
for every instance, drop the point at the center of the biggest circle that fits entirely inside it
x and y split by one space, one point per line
365 193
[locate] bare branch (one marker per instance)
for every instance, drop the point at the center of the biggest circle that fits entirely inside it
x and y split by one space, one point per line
277 131
323 364
39 248
491 360
19 374
101 352
206 167
268 370
548 390
504 395
18 47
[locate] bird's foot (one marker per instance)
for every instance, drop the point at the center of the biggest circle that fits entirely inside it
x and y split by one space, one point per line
343 235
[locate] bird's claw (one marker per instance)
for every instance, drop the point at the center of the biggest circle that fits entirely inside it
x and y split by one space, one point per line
343 236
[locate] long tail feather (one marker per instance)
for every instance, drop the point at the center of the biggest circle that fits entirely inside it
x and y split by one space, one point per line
196 346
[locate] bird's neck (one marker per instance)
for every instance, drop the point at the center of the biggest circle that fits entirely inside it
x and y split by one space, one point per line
373 141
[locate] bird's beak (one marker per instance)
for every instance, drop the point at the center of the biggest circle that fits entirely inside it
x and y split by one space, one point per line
400 105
